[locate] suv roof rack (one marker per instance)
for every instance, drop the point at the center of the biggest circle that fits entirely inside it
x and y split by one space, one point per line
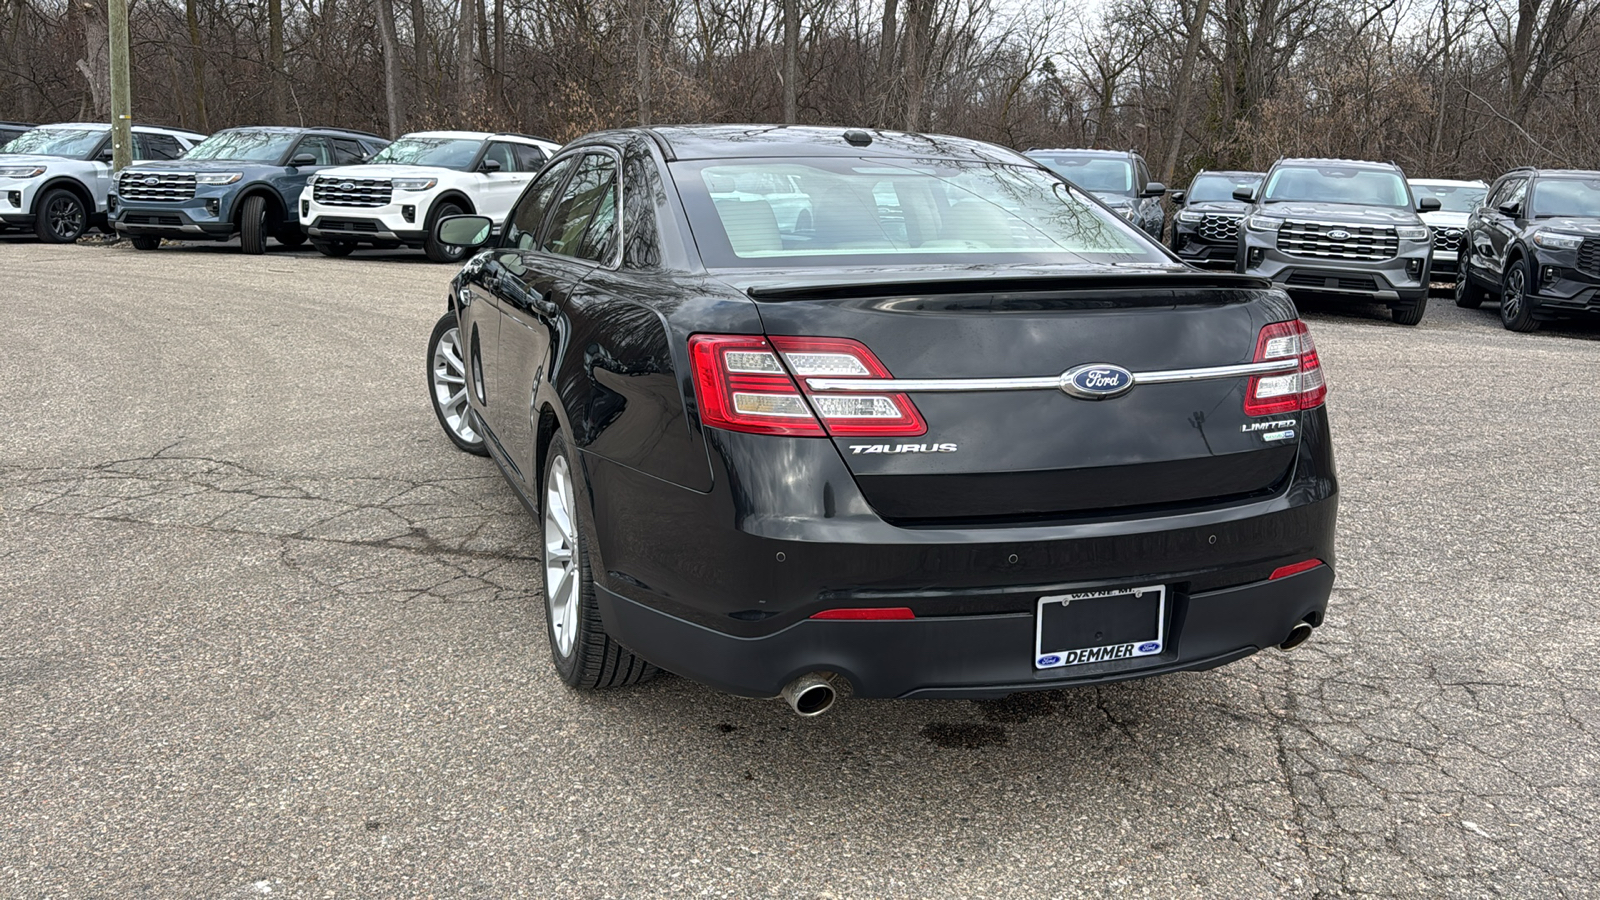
345 130
531 137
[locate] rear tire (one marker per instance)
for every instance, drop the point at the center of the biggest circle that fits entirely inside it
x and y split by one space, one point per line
1469 295
60 217
1516 313
253 225
1409 312
145 242
290 236
443 253
335 249
447 387
584 655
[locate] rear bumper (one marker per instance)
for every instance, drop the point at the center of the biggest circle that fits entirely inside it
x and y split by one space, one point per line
953 657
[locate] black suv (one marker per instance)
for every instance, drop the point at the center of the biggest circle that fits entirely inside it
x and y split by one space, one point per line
243 181
12 130
1119 178
1535 242
1205 229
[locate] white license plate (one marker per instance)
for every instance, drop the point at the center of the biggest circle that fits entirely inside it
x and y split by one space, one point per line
1099 626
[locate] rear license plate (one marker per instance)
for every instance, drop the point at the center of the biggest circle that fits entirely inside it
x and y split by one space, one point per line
1099 626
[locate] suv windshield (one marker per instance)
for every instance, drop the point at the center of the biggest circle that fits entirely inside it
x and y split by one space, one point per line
1337 184
1218 188
812 212
446 153
1576 197
1092 173
73 143
1452 197
244 146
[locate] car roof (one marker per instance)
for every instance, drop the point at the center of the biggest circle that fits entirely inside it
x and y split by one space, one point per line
480 136
1230 173
1447 182
303 129
19 125
1326 161
1081 151
137 126
1585 173
765 141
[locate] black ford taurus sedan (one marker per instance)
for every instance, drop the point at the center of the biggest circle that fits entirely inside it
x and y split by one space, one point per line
799 408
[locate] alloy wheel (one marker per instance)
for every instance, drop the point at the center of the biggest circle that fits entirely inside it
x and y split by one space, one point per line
561 557
450 387
1511 298
65 217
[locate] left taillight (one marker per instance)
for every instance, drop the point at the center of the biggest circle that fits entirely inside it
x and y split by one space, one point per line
756 385
1303 388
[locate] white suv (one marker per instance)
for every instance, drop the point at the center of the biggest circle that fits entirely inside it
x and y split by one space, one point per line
54 179
394 198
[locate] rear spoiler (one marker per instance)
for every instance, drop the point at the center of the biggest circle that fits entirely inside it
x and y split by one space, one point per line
1015 284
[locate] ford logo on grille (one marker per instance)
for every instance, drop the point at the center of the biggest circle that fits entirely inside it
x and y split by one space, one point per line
152 180
1096 381
1339 234
347 185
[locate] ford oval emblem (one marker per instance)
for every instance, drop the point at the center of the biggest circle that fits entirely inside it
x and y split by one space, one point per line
1096 381
1149 646
1338 234
347 185
152 180
1048 660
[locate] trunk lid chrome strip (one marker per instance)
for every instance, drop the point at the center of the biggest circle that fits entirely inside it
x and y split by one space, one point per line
1043 383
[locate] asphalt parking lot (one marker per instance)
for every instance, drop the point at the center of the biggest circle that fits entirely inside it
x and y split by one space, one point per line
267 633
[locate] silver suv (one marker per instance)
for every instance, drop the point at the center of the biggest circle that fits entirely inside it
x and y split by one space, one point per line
1340 228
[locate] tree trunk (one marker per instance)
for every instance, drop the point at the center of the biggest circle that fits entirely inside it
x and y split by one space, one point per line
1180 108
791 61
197 65
886 60
422 72
914 60
277 88
498 80
96 62
465 82
391 67
641 58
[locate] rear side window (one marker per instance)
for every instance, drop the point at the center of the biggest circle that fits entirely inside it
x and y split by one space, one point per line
318 146
826 211
522 228
157 146
529 157
590 199
347 152
501 153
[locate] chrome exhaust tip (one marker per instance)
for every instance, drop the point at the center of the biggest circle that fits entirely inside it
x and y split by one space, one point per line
1297 636
810 695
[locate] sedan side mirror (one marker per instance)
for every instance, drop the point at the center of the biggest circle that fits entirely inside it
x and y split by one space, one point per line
1512 209
303 159
470 232
1428 204
1244 194
1154 189
489 166
1177 197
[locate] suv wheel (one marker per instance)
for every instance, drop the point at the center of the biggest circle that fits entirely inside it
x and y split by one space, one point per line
334 248
1516 313
290 236
1468 294
1409 312
447 387
443 253
584 655
253 225
61 218
145 242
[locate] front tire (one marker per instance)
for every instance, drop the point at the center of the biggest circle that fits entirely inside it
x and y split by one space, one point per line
443 253
290 236
253 225
1469 295
1409 312
335 249
1516 313
447 387
145 242
584 655
61 218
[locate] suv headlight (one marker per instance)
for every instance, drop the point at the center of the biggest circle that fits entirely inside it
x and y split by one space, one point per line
218 177
1263 223
1411 232
414 184
21 171
1187 216
1552 240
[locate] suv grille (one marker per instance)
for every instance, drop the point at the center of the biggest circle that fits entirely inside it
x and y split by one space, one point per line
170 186
1368 242
1447 239
1219 228
351 191
1589 257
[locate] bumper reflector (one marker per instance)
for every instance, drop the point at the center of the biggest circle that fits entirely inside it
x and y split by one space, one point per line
869 614
1294 569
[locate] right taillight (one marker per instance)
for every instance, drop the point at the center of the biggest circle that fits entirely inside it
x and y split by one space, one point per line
1302 388
748 383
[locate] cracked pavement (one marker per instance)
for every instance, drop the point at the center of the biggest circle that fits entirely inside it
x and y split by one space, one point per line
267 633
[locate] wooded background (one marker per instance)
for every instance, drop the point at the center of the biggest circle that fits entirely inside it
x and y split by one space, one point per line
1444 87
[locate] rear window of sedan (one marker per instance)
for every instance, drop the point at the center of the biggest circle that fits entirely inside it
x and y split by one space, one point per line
836 211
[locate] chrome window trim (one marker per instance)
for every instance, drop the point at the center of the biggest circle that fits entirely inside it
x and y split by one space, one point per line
1047 382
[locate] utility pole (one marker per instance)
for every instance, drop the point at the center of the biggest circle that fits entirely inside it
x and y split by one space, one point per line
121 105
